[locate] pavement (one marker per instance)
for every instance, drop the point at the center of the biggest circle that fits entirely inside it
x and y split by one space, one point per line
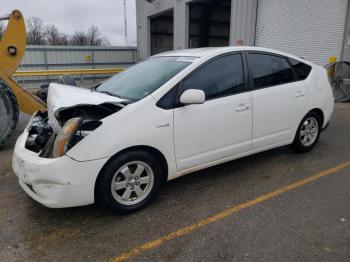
260 208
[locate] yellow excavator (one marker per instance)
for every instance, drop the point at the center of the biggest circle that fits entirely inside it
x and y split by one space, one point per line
12 97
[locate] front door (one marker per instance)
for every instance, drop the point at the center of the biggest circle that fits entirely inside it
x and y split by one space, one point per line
222 126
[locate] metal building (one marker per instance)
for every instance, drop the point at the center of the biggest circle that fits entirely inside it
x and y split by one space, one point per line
313 29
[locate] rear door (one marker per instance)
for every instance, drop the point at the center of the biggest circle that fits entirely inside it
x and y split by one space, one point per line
279 100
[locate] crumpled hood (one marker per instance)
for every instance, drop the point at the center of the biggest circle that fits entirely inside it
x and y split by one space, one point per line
64 96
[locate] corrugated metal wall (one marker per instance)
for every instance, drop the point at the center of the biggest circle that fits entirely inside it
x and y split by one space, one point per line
311 29
346 51
73 57
242 22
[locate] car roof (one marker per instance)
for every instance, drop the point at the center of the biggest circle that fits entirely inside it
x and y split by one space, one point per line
208 51
195 52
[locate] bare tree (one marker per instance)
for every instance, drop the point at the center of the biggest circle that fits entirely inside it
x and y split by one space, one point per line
105 41
38 34
35 31
79 38
64 39
94 36
52 35
55 37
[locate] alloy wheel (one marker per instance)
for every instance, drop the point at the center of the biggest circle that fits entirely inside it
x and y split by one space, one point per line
132 183
309 131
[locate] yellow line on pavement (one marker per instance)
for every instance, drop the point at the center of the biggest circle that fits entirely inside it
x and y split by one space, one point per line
188 229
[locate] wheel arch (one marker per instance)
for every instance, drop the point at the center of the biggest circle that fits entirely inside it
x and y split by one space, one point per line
152 150
320 113
317 111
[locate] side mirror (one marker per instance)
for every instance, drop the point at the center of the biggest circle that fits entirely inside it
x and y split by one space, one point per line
192 96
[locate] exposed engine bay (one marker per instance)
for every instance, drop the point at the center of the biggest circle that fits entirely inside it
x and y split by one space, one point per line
76 122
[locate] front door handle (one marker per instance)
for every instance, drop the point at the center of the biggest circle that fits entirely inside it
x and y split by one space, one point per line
242 107
299 94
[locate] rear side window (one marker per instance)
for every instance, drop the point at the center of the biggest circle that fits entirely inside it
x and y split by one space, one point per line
269 70
302 70
221 77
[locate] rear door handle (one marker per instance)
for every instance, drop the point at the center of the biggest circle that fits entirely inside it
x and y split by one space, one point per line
299 94
242 107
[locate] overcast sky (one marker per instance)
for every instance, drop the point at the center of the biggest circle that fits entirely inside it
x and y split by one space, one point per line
71 15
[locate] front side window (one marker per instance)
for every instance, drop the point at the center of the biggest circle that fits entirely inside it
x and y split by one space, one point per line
269 70
221 77
144 78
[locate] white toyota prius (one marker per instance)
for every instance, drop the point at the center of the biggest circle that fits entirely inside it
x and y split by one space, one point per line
169 115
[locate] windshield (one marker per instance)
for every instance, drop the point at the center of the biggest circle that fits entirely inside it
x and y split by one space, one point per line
144 78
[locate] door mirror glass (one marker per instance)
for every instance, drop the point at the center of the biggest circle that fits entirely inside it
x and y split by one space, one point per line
192 96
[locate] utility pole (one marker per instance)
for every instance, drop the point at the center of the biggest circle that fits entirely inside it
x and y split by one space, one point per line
125 25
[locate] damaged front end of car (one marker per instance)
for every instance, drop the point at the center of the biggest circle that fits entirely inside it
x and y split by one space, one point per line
51 134
76 123
40 160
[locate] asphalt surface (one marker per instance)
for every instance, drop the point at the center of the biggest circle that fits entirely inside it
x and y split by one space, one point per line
309 223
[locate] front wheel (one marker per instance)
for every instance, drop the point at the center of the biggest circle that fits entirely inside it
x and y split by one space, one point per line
308 133
8 112
130 181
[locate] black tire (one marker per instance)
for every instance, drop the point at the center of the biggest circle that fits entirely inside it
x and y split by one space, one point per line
8 112
66 80
103 190
297 145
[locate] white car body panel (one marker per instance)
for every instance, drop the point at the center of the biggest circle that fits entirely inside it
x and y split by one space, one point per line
63 96
229 130
319 92
276 111
58 182
190 137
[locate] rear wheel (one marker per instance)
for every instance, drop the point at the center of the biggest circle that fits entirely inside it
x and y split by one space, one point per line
8 112
130 181
308 133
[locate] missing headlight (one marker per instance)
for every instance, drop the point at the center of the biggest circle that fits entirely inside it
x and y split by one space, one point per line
39 132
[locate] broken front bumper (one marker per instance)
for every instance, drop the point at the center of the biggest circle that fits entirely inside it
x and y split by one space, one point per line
56 182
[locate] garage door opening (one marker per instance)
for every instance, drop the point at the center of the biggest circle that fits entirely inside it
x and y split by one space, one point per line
162 32
209 23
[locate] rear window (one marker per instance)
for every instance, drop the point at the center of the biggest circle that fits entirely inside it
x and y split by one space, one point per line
269 70
302 70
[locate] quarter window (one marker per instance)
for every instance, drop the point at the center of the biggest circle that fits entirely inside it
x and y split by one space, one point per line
302 70
221 77
269 70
